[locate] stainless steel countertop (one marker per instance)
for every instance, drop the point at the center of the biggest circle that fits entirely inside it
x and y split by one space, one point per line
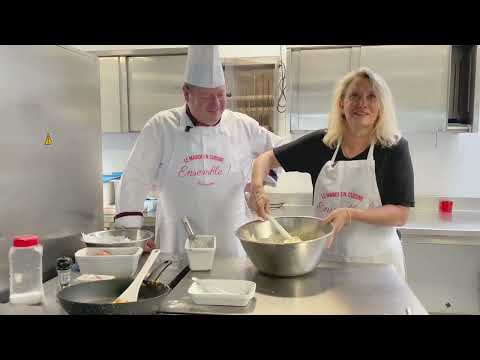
460 223
420 222
50 305
424 219
332 288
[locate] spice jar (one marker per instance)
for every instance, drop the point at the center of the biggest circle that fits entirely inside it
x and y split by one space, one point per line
64 266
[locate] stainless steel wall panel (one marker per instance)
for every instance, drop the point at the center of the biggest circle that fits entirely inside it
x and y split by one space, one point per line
54 190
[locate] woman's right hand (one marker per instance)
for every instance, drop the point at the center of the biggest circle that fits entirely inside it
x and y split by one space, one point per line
260 202
262 164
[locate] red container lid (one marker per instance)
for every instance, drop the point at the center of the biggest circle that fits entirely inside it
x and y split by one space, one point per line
26 240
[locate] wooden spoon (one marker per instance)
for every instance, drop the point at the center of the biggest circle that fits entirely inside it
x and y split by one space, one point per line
131 293
279 227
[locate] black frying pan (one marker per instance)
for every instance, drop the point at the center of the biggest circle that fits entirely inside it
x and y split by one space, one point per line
96 298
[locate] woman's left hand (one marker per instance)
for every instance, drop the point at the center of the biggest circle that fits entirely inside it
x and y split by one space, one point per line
338 218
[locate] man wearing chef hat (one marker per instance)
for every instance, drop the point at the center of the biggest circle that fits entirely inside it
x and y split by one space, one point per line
199 157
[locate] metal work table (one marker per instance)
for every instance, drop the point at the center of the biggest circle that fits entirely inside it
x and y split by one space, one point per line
332 288
50 305
424 219
420 222
459 223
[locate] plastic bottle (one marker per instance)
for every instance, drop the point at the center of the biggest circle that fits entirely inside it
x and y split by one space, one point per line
25 258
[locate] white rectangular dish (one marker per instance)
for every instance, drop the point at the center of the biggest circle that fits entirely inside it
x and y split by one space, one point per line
241 292
122 262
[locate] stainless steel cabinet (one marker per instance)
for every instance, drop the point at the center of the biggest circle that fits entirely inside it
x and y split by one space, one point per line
134 88
154 84
50 188
444 272
314 73
110 95
418 78
417 75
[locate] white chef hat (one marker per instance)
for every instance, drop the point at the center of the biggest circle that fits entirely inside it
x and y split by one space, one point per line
203 66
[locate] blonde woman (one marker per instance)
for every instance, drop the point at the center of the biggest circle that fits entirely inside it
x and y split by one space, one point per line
361 172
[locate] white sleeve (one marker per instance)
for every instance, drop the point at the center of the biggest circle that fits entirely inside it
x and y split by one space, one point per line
264 140
139 175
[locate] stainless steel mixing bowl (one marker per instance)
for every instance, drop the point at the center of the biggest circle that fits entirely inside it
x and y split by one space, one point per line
258 240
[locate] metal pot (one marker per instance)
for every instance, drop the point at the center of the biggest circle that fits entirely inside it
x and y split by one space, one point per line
285 260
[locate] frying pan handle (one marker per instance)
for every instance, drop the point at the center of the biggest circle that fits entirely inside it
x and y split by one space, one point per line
157 271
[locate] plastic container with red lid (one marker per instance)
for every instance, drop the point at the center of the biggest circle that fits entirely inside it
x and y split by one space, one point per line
26 240
25 261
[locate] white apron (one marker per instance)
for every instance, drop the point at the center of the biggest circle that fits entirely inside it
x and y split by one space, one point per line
204 181
352 184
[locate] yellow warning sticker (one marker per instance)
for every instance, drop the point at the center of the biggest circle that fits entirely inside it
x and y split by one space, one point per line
48 140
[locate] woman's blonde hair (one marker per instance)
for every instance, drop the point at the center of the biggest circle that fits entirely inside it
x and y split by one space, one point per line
386 130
